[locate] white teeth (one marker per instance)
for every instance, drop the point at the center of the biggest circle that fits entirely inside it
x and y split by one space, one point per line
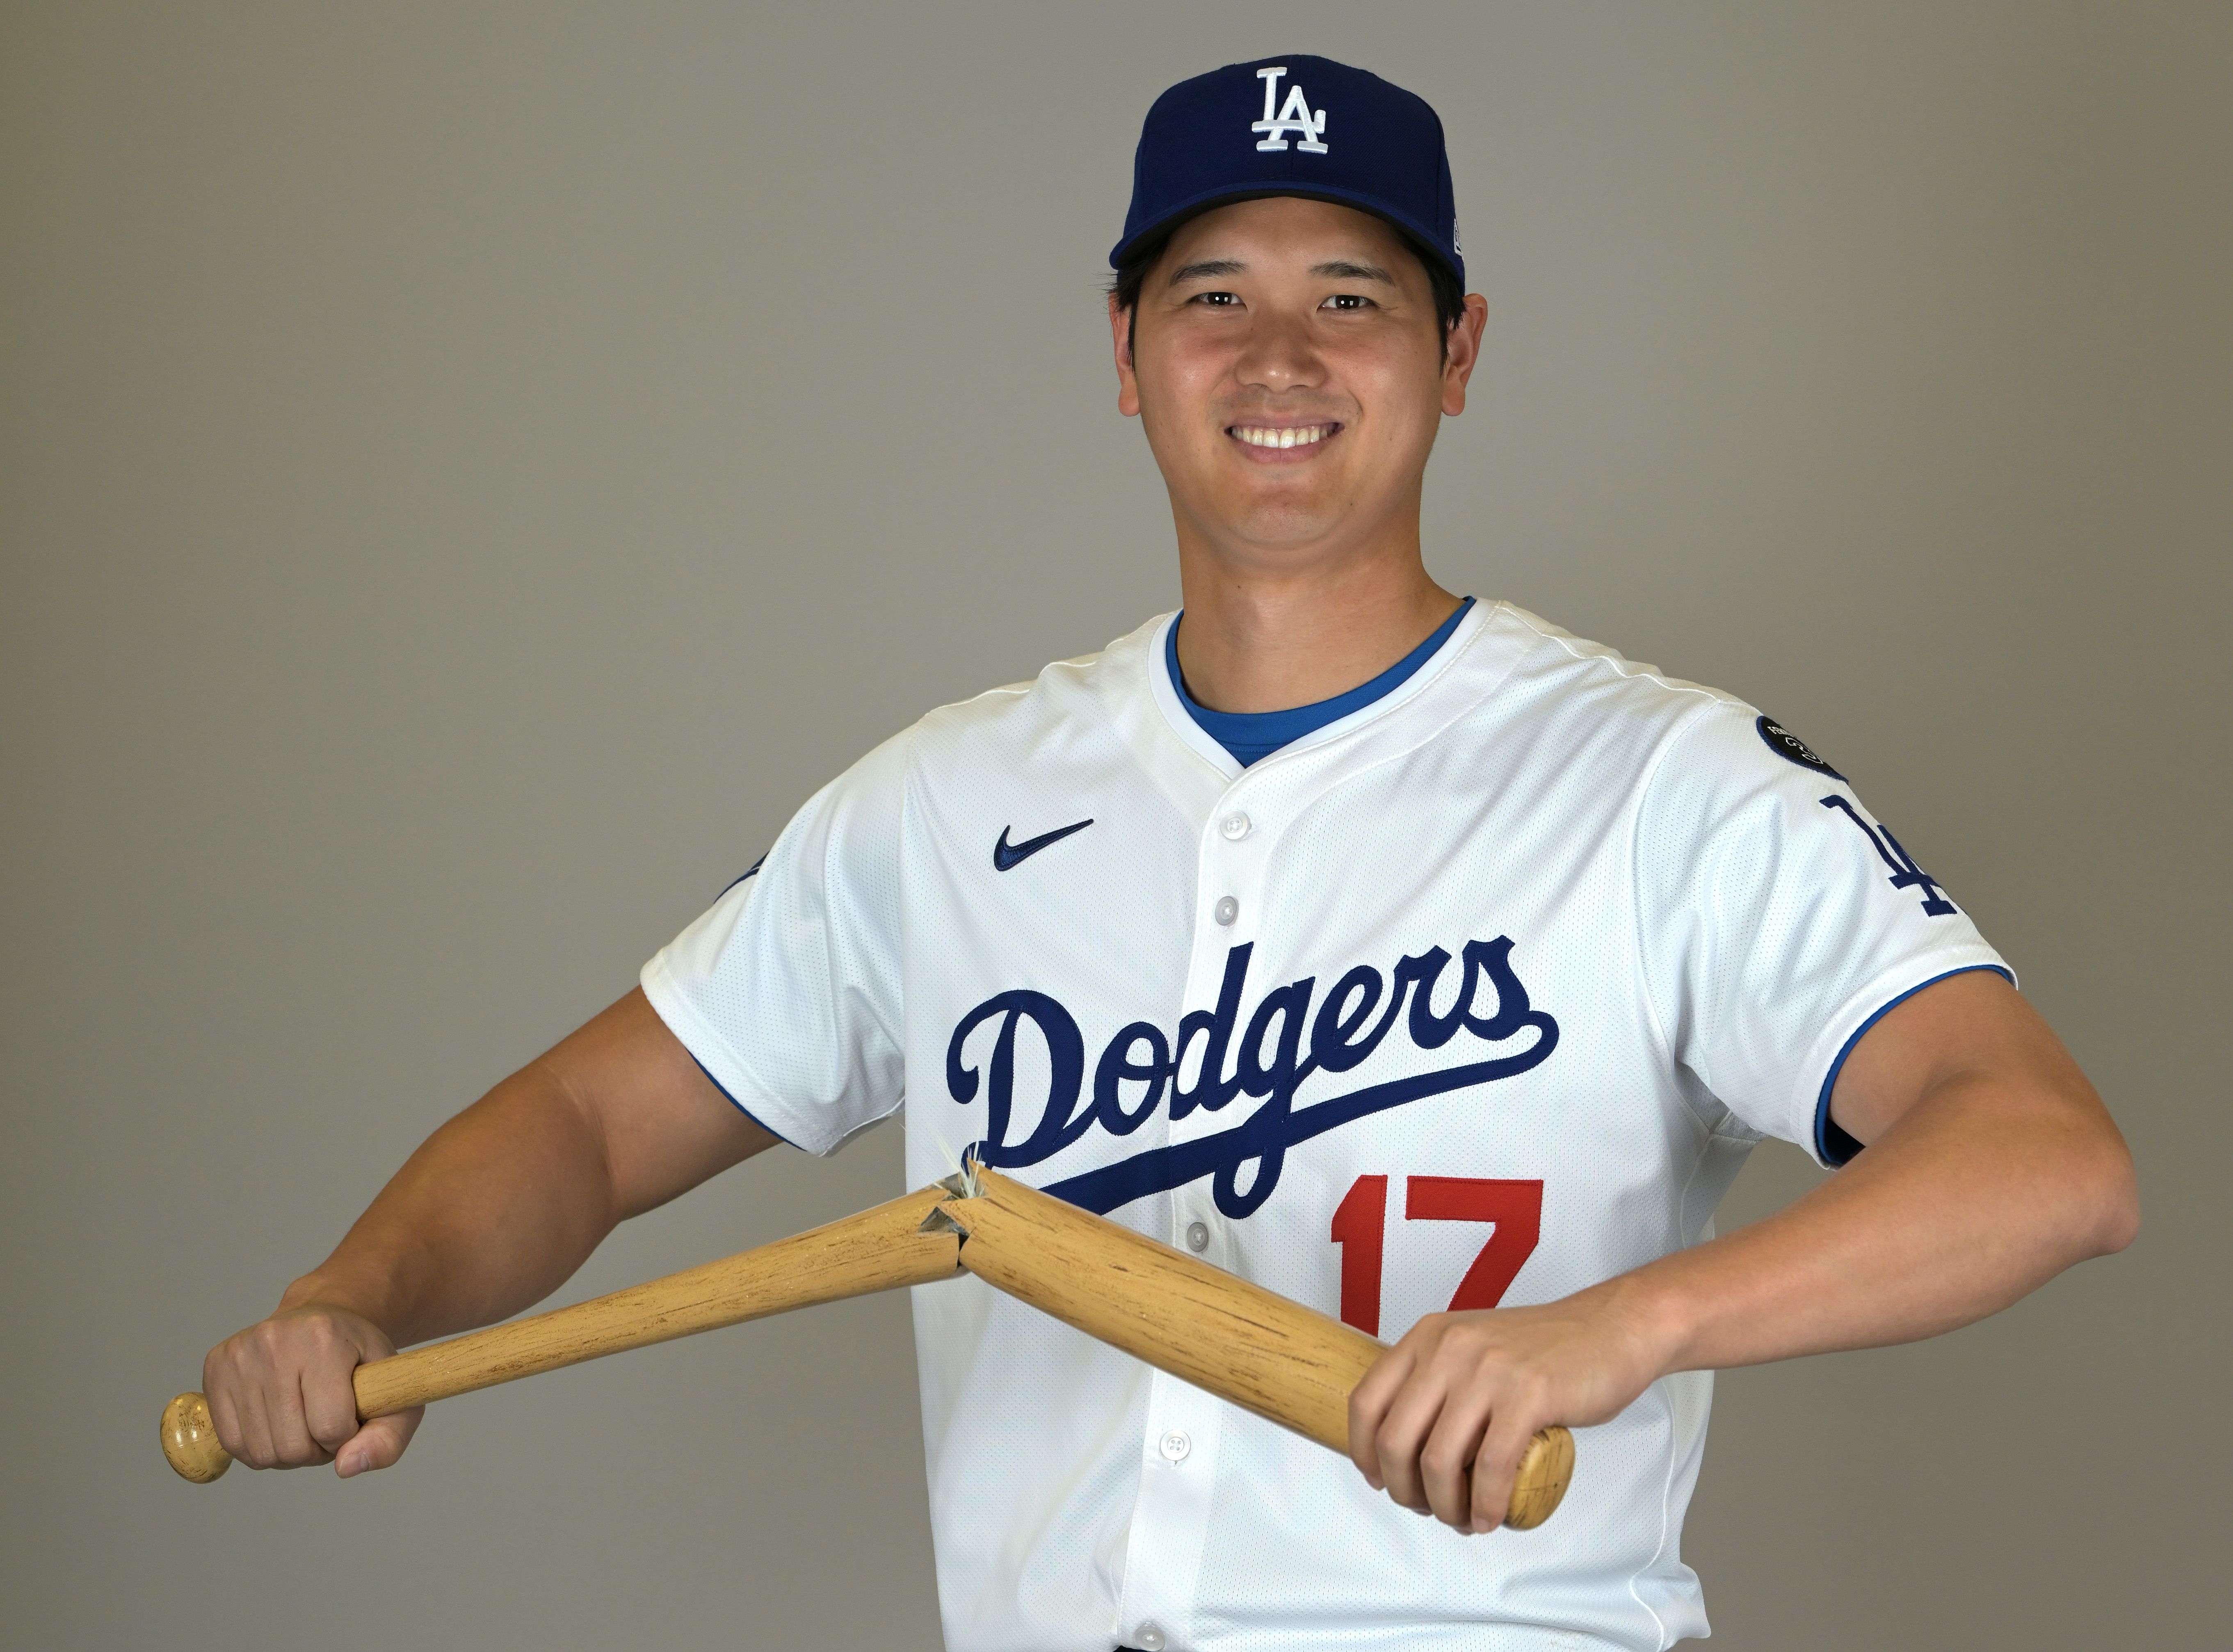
1291 436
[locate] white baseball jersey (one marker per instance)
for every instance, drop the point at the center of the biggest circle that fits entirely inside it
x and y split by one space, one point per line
1479 994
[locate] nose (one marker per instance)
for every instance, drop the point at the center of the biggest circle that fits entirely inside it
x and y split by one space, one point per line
1280 354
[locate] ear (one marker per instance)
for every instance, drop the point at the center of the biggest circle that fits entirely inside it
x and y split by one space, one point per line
1128 384
1465 352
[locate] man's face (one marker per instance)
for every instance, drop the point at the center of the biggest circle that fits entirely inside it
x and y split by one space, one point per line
1286 364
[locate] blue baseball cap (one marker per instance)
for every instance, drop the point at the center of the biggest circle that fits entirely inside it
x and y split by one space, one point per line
1293 125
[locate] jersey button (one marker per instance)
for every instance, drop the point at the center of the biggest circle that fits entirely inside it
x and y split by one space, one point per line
1175 1445
1235 827
1148 1638
1197 1235
1226 910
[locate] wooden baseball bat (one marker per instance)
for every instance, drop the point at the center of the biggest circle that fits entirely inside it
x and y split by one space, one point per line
877 1250
1277 1358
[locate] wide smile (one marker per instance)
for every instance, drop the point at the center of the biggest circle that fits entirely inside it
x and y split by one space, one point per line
1282 443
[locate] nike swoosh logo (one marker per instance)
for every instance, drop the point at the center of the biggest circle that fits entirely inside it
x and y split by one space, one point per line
1006 856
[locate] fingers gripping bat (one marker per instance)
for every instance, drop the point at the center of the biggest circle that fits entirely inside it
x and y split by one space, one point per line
1283 1362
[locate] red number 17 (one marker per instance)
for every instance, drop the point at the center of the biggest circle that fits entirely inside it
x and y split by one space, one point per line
1361 1220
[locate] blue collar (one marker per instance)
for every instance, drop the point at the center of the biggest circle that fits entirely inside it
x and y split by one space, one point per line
1251 735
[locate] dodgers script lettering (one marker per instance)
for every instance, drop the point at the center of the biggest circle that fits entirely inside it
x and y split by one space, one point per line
1142 1069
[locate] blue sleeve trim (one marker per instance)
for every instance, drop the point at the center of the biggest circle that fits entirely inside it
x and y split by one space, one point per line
747 1111
750 871
1835 1147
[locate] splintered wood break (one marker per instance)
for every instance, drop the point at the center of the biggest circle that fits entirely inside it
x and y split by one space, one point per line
939 1222
963 1184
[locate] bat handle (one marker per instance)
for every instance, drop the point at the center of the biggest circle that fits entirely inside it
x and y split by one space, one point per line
190 1440
1546 1467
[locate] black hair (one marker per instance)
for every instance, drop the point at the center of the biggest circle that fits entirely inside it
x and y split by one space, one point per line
1449 296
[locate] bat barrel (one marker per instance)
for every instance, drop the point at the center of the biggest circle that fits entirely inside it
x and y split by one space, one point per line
1283 1362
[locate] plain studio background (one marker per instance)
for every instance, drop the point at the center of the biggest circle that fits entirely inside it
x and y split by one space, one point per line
466 475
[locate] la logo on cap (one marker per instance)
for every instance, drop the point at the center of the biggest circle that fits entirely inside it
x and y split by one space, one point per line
1297 118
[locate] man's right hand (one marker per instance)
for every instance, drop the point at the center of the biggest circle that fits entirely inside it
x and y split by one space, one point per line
493 1214
282 1397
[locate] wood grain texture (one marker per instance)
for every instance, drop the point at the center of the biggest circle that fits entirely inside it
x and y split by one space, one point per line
189 1441
877 1250
1286 1362
1546 1470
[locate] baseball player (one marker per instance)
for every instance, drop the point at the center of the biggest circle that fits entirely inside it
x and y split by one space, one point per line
1401 953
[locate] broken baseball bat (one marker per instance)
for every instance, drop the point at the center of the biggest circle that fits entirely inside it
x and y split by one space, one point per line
1286 1362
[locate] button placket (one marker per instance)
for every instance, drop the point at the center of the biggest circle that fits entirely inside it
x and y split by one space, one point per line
1179 1445
1170 1517
1223 879
1229 867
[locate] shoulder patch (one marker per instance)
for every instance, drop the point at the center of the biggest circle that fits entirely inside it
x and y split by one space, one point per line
1788 746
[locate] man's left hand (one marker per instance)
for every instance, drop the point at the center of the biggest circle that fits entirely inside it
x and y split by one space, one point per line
1440 1423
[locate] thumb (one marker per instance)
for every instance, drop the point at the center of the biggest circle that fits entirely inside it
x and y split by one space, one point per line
377 1443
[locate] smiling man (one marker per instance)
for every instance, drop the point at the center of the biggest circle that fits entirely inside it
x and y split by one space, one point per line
1402 953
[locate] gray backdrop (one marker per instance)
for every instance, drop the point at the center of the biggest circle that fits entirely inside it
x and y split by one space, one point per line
467 474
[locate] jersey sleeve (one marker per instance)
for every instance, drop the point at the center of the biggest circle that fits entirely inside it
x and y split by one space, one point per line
1778 919
787 990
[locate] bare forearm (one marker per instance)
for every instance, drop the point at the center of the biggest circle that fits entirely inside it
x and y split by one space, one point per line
500 1206
493 1211
1965 1205
1991 1166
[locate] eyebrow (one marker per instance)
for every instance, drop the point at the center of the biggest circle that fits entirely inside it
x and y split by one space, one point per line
1339 269
1346 271
1207 269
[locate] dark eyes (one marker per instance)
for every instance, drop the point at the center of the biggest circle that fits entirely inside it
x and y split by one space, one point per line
1349 303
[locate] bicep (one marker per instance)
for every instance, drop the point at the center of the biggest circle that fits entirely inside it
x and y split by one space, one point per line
664 1125
1972 1025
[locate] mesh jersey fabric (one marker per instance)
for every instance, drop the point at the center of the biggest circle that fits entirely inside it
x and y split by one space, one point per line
1541 919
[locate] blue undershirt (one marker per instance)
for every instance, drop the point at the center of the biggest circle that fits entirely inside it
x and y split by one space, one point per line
1251 735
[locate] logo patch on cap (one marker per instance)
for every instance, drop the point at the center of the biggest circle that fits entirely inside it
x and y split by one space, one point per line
1296 117
1788 746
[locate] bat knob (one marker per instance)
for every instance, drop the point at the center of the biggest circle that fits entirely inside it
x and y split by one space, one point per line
190 1440
1545 1469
